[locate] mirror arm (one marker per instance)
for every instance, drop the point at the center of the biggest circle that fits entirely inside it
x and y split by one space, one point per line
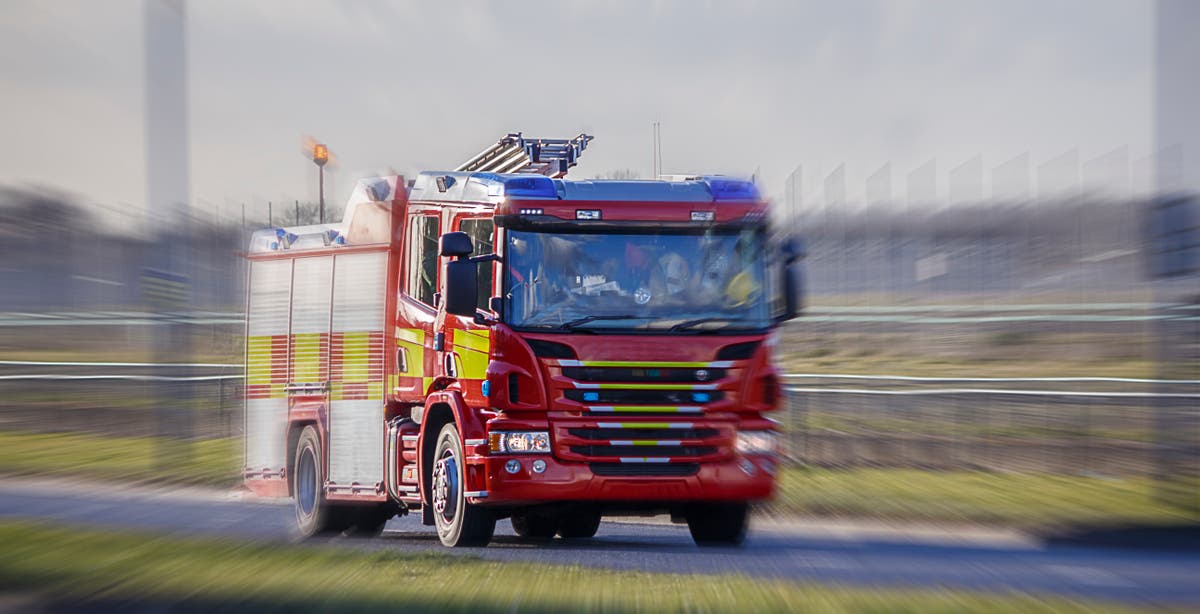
486 258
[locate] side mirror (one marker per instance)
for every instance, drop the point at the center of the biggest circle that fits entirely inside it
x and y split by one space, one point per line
793 249
793 291
455 244
462 285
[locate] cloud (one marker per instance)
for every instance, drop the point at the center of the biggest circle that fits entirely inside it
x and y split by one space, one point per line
759 85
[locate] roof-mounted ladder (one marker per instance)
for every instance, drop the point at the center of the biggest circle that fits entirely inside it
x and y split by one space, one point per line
514 153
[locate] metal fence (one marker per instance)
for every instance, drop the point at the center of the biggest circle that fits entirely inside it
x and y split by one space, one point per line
1067 425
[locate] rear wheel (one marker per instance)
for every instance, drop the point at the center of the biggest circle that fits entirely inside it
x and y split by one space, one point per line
718 524
314 514
459 523
369 521
533 525
579 524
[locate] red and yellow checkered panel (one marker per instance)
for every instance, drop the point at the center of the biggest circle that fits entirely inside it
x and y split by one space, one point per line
356 366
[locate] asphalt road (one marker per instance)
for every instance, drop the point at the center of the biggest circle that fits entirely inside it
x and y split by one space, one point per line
847 553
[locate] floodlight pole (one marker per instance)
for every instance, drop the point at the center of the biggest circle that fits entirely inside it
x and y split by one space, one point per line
320 157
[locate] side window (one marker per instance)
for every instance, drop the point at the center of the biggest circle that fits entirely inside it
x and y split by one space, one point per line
482 232
422 257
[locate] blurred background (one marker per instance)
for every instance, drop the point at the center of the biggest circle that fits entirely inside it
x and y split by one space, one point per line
1003 321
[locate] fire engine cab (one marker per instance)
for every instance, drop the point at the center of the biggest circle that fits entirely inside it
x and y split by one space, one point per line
479 345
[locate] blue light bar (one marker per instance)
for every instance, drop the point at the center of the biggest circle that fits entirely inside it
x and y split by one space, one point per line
517 186
724 188
532 186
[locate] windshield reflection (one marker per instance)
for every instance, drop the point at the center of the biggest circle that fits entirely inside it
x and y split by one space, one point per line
677 282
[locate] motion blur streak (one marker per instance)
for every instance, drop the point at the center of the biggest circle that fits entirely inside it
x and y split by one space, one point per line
990 402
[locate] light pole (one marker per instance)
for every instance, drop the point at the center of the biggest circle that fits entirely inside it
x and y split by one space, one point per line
320 156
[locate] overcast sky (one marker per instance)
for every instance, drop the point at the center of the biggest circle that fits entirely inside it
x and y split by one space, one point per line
738 87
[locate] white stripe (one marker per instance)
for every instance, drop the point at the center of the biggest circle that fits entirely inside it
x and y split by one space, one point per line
621 425
562 362
477 494
683 409
474 442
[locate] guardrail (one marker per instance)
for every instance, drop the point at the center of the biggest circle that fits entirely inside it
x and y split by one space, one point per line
905 379
999 392
133 378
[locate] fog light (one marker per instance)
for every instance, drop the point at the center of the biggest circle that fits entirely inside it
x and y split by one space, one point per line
512 466
539 466
747 466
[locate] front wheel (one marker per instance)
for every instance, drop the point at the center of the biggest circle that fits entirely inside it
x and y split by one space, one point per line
718 524
458 523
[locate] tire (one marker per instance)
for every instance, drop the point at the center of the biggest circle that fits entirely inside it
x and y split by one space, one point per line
579 524
718 524
531 525
459 524
369 521
315 516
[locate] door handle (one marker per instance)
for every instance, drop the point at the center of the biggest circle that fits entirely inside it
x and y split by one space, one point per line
401 359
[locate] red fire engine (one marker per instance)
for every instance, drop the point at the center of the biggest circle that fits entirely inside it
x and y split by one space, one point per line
480 345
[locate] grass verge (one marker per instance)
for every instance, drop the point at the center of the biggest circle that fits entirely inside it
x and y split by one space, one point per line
212 462
1020 499
76 567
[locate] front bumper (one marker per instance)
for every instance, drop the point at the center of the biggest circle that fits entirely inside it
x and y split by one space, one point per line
737 479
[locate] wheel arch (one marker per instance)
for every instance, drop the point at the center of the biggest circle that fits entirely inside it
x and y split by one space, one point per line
444 407
295 428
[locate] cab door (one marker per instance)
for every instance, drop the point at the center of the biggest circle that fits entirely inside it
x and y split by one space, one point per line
467 344
415 361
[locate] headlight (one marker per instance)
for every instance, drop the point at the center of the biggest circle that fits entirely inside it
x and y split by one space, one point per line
757 442
520 442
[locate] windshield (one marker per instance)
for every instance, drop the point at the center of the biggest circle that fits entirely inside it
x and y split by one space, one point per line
678 282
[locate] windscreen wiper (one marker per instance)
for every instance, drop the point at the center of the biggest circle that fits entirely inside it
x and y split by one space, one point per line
698 321
584 320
